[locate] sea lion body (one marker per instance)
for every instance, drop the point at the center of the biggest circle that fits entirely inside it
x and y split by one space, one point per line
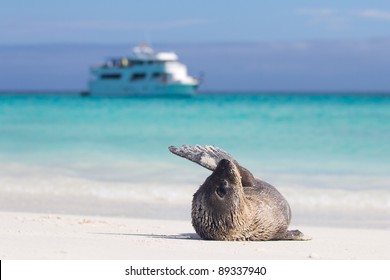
234 205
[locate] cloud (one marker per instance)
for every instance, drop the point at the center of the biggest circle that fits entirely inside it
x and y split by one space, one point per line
324 12
42 30
375 14
126 25
328 18
91 25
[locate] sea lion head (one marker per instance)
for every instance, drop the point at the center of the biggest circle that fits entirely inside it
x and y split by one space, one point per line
218 204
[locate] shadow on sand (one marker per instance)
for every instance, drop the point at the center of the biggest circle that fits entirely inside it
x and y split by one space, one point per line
192 236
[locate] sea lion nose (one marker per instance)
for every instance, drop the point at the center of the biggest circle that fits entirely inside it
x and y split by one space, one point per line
225 164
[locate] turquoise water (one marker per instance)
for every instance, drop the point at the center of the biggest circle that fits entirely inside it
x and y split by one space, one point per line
306 133
311 142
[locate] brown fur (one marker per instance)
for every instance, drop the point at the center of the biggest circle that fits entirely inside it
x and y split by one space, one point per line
233 205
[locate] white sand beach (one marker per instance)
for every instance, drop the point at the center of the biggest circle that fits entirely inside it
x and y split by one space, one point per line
50 236
71 218
46 216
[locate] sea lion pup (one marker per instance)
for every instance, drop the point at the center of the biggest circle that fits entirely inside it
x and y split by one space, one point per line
234 205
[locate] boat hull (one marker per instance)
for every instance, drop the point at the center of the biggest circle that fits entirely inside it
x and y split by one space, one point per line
98 88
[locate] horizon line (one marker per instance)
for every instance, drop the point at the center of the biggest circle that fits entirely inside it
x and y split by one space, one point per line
10 44
368 93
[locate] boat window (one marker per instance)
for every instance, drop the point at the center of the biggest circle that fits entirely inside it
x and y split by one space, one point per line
111 76
156 75
138 76
117 62
138 62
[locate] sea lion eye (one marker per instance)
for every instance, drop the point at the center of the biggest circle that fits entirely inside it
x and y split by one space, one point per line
222 190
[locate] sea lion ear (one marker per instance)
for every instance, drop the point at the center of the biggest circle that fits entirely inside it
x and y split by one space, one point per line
206 156
247 178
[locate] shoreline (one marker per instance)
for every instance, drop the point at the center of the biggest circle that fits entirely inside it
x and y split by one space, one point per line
129 190
60 236
82 205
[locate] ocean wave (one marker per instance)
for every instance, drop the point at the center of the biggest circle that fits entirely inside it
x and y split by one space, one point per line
158 184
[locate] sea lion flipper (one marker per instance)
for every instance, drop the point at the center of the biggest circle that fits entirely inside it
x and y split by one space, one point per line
295 235
206 156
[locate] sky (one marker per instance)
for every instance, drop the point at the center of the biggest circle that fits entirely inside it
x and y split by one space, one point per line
121 21
350 38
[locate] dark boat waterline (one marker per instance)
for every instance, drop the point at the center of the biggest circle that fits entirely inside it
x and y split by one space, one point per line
85 93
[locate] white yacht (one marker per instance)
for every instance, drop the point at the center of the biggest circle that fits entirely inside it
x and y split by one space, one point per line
145 73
